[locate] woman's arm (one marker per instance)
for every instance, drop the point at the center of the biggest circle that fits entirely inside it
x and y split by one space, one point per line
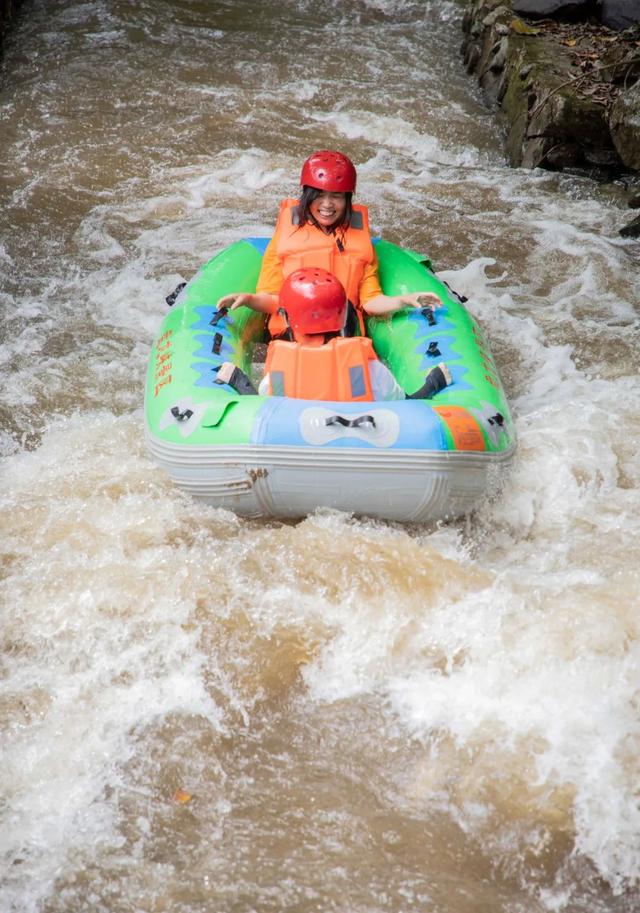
265 299
375 302
388 304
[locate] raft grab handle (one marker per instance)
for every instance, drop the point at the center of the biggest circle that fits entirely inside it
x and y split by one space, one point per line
218 316
428 313
362 420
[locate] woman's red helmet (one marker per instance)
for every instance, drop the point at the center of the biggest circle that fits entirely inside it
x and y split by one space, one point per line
331 171
315 301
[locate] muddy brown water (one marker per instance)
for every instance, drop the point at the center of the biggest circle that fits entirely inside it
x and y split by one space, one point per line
361 716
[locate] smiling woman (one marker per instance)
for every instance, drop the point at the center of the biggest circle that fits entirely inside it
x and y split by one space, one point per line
327 209
325 229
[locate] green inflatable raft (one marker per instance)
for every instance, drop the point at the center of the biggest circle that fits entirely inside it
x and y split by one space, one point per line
408 460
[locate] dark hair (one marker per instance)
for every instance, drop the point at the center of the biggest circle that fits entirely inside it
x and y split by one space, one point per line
308 195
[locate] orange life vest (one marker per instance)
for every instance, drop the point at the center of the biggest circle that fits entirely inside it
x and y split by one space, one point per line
338 370
308 245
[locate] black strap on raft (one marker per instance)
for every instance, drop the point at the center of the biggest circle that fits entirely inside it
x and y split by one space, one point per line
217 344
433 350
497 419
461 298
431 317
171 299
351 423
428 265
181 416
217 316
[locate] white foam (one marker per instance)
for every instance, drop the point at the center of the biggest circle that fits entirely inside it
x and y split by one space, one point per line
395 133
99 608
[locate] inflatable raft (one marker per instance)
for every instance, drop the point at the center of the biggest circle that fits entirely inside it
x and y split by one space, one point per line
408 460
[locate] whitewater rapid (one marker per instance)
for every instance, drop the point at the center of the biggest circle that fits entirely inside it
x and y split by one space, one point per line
366 716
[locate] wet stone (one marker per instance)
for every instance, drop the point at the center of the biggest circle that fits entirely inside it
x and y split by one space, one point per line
632 229
619 14
624 121
540 9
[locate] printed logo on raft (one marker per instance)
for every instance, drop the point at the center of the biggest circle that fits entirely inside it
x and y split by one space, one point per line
491 374
163 375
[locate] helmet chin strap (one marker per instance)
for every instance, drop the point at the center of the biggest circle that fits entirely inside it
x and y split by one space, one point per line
289 334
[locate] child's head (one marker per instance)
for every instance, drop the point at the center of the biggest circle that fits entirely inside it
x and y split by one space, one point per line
315 303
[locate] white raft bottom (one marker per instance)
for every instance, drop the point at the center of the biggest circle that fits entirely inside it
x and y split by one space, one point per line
292 482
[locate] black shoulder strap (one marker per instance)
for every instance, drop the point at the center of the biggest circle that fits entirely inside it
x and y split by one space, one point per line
351 323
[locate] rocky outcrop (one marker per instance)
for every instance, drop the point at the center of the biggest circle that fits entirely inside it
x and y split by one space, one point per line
624 122
619 14
568 91
615 14
566 9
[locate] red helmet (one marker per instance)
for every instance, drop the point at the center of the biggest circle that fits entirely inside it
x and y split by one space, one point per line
315 301
330 171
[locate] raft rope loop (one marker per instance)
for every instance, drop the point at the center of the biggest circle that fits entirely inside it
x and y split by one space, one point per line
181 416
171 299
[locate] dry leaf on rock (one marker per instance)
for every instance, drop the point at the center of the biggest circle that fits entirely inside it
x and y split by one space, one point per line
521 28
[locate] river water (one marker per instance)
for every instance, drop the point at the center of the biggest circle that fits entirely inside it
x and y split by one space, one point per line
362 717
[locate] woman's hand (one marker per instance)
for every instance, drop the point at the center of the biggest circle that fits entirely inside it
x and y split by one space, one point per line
263 302
421 300
236 300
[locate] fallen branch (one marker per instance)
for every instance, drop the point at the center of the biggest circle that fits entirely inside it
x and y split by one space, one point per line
575 79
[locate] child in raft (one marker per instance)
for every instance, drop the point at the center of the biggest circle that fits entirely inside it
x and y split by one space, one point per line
325 229
320 362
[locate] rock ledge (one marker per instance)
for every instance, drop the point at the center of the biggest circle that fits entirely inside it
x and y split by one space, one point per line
569 91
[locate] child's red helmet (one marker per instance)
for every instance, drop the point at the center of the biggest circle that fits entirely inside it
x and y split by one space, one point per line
330 171
315 301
